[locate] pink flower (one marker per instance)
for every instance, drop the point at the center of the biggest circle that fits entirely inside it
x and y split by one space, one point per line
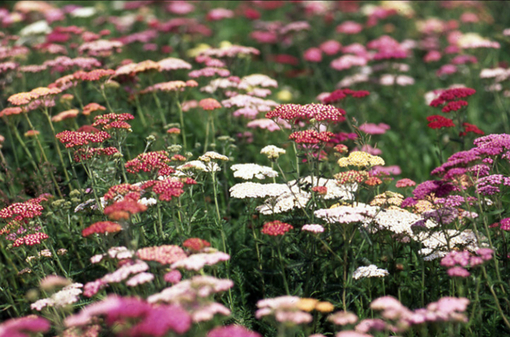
180 7
343 318
447 69
20 326
232 331
331 47
458 272
173 276
432 56
355 48
374 129
393 169
349 27
313 55
264 37
402 183
469 18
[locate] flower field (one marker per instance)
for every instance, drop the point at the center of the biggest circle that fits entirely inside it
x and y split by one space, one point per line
254 168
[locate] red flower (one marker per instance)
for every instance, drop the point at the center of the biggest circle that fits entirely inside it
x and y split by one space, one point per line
21 211
101 227
75 138
196 244
276 228
150 162
123 209
121 190
285 59
438 122
310 136
470 128
321 190
454 106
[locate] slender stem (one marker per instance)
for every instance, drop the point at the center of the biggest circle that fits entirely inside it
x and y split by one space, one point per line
285 284
57 146
183 128
140 112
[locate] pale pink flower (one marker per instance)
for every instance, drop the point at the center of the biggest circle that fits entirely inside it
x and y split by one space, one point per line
92 288
123 272
140 279
351 333
367 325
172 63
207 312
268 124
313 228
348 61
209 72
198 261
393 169
180 7
217 14
343 318
355 48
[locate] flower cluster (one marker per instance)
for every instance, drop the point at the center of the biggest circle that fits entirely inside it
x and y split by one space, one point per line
368 272
157 161
101 227
276 228
113 121
458 261
360 159
166 254
76 138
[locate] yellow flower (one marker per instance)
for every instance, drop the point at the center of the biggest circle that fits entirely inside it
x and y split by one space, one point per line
284 96
307 304
197 50
403 7
324 307
360 159
225 44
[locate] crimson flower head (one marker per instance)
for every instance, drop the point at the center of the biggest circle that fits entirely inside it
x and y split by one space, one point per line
76 138
438 122
150 162
310 136
121 190
452 95
276 228
30 239
209 104
20 211
196 244
470 128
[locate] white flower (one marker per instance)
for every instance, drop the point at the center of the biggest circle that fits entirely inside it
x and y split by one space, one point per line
198 261
39 27
83 12
206 157
256 190
250 171
148 202
272 151
257 80
284 203
370 271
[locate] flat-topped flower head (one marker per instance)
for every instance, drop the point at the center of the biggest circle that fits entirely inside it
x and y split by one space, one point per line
370 271
250 171
276 228
209 104
91 107
272 152
196 244
360 159
65 115
311 137
101 227
211 155
166 254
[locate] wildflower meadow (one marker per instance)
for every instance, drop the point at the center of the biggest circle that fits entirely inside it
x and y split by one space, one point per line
254 168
